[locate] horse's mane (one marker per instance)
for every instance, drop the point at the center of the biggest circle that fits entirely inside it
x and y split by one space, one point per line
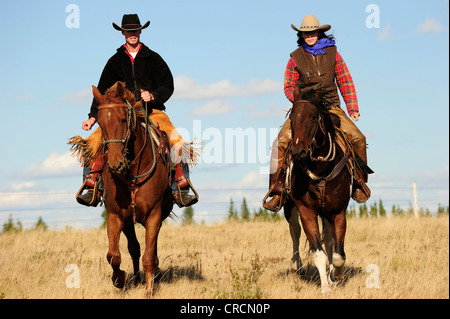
316 98
324 105
119 89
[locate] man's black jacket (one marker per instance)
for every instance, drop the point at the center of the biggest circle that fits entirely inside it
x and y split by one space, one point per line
148 72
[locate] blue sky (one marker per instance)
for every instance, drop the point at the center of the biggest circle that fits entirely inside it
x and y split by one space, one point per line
228 60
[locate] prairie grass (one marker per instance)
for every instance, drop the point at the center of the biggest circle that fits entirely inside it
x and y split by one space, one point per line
409 256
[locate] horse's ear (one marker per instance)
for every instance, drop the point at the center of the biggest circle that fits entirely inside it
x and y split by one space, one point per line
97 95
120 88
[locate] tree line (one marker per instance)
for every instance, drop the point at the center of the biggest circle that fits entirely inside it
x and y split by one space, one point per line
375 210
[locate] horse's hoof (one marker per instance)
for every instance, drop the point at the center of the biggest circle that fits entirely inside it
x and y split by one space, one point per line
136 280
325 290
119 279
301 272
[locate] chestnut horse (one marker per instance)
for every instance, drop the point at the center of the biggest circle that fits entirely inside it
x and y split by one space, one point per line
320 186
136 182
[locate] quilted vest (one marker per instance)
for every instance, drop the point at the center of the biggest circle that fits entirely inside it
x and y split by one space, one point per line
318 72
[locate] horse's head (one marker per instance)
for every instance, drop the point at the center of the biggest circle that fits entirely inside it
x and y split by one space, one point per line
310 122
304 118
115 122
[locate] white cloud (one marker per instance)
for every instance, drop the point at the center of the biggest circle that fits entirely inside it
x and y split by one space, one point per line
273 111
80 97
25 98
253 179
188 89
215 107
385 34
18 187
34 199
431 26
55 165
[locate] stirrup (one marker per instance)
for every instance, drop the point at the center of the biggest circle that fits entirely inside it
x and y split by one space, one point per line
194 200
361 193
277 205
95 197
280 204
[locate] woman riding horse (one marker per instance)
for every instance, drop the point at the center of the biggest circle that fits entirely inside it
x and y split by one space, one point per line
148 76
317 65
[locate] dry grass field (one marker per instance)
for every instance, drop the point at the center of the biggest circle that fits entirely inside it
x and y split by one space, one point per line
233 260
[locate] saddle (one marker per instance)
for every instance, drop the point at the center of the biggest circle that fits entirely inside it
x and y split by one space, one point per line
351 160
174 170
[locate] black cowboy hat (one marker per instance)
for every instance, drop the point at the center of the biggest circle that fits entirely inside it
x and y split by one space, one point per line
130 22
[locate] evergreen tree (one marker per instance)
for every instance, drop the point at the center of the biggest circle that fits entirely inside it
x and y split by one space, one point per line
382 211
442 210
40 224
232 212
351 211
373 212
363 211
188 216
105 218
261 215
274 216
425 213
245 213
10 227
410 210
397 211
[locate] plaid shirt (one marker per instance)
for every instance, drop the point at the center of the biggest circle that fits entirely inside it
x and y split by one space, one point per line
343 79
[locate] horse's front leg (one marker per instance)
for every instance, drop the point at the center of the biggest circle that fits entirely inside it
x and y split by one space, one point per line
311 228
339 228
291 215
114 227
149 259
134 249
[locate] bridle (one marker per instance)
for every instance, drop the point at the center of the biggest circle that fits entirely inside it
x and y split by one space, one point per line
131 121
313 144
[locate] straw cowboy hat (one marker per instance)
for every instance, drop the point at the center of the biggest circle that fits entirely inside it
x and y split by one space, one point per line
311 23
130 22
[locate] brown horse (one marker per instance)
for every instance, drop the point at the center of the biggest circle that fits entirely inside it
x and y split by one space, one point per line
320 186
136 182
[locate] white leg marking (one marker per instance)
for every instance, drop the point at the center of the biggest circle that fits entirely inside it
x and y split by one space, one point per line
338 263
320 259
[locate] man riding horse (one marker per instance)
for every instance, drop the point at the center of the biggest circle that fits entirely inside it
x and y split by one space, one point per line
317 65
147 75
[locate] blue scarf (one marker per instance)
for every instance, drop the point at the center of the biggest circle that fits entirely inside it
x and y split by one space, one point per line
318 48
